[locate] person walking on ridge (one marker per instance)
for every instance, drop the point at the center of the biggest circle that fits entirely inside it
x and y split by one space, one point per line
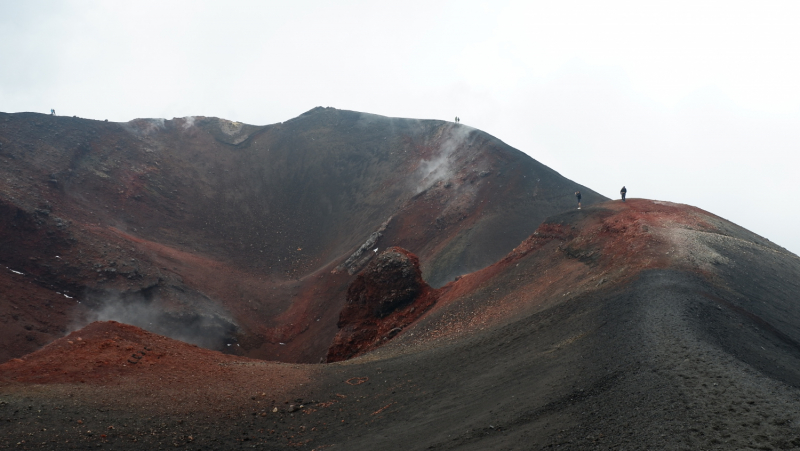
578 196
623 191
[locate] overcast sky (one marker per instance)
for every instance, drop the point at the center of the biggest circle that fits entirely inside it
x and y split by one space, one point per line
686 101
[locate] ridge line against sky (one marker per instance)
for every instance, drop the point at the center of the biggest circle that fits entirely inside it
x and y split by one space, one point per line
691 102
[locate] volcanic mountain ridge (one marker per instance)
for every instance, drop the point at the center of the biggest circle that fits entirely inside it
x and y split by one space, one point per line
245 238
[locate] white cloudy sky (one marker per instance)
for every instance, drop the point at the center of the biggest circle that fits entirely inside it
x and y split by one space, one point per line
688 101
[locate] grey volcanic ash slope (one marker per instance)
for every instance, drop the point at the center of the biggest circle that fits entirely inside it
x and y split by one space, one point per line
637 325
237 227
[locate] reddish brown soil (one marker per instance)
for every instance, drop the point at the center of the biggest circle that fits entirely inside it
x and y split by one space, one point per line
32 318
130 359
568 255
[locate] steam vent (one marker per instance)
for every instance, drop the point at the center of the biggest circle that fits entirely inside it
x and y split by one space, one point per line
343 280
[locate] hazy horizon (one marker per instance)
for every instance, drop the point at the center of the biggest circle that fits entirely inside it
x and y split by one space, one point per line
689 102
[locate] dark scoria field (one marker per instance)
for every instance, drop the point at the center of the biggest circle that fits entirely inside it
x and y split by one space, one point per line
349 281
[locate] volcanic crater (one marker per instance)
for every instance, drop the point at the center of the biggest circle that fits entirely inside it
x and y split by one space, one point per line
346 280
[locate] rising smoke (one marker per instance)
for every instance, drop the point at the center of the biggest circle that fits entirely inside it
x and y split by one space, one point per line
188 122
440 167
206 330
144 126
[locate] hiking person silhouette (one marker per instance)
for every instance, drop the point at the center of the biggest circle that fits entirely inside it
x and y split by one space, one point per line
52 112
578 196
623 191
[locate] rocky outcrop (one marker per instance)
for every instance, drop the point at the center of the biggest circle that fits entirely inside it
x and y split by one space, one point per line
388 296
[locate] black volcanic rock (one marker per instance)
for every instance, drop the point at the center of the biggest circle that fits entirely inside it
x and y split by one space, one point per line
392 280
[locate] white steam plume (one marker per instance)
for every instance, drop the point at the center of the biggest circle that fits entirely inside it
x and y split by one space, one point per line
440 167
144 126
188 122
205 330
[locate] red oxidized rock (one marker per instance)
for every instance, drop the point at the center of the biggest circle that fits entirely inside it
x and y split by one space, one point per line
388 296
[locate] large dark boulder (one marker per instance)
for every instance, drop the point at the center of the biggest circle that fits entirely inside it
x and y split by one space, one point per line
386 297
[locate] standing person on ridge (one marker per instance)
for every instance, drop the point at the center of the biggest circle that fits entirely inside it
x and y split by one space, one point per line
623 191
578 196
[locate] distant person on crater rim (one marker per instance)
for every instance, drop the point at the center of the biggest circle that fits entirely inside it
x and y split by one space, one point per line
623 191
578 196
52 112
